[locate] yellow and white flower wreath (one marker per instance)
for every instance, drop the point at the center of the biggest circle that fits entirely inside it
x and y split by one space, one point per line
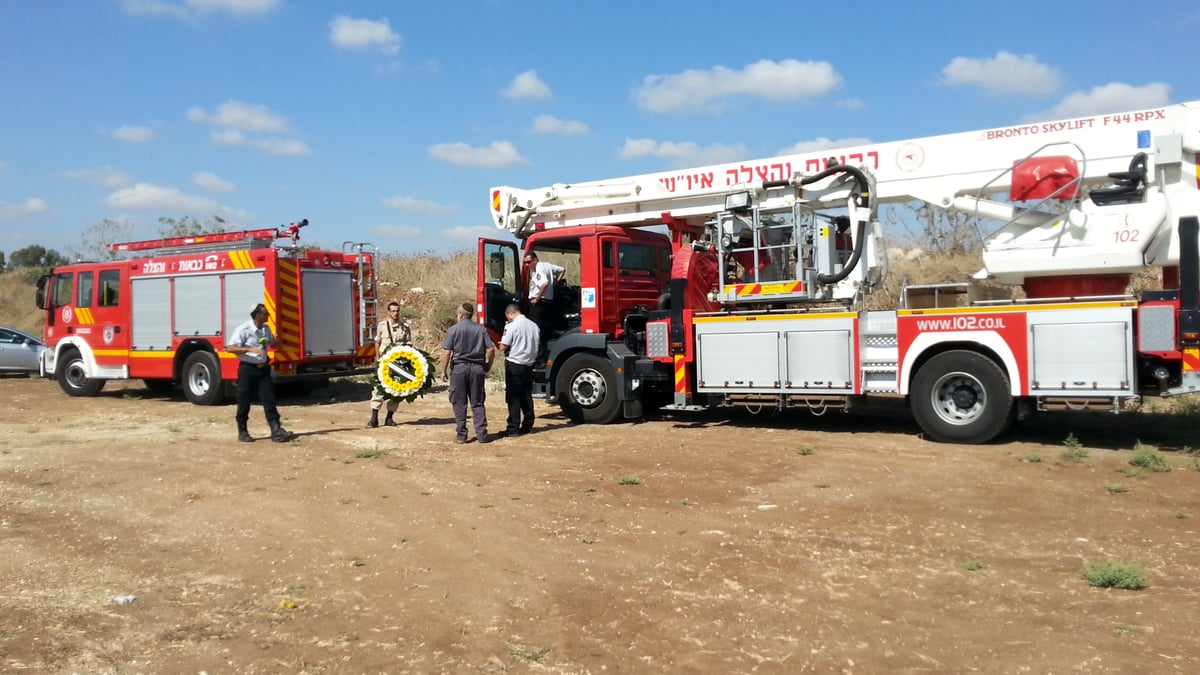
403 373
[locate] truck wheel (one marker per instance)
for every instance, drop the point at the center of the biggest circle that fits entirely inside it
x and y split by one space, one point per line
72 376
587 390
159 387
202 379
961 397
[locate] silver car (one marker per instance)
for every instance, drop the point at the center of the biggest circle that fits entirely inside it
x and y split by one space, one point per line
19 351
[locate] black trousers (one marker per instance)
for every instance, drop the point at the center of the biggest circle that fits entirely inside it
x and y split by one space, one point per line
254 380
518 394
542 313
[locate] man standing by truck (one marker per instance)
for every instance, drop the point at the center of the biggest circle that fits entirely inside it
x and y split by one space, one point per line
542 277
249 342
519 344
392 330
467 354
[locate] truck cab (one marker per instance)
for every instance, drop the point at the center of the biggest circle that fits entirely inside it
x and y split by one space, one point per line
614 278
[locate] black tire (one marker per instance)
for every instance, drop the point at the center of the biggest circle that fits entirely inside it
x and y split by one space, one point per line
961 397
587 389
160 387
72 378
201 379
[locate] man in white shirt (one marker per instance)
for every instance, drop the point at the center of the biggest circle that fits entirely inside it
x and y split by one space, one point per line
250 342
542 277
520 347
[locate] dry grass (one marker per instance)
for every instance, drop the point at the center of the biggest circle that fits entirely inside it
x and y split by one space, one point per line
16 303
429 287
923 268
451 276
941 268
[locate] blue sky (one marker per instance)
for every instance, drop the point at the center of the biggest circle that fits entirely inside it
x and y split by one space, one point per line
388 122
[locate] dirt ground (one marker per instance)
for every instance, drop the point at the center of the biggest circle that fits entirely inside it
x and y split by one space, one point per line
138 536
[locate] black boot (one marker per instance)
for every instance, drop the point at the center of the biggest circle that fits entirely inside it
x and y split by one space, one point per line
388 421
279 434
374 421
244 434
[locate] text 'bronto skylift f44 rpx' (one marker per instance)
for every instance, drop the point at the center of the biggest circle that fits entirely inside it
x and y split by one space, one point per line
162 315
744 284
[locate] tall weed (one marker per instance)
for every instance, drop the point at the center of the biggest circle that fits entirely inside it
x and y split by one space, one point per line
16 302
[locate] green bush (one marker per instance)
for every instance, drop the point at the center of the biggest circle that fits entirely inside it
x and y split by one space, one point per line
443 315
1073 449
1149 458
1115 574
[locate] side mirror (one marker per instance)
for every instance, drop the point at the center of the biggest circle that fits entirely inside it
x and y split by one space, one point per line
496 265
42 298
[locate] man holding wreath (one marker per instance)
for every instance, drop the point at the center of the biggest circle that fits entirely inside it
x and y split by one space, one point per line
392 330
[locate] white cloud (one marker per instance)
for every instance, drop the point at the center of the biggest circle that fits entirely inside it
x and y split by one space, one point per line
681 154
106 176
156 8
25 208
132 134
527 86
288 147
3 166
147 197
498 154
405 203
468 235
398 232
349 33
707 90
269 144
850 104
190 10
244 116
1005 73
822 143
235 118
237 7
207 180
1108 98
549 124
229 137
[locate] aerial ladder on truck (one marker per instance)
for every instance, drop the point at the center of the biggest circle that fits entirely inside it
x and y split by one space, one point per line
1066 210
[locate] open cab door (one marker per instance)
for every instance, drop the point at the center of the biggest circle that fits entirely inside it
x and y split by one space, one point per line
499 283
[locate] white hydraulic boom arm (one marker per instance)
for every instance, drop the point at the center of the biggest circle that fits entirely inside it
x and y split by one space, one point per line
1090 195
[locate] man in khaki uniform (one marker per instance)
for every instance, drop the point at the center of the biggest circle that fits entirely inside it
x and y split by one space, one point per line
393 329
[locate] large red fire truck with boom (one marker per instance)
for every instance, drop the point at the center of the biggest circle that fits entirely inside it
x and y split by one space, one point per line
746 283
162 315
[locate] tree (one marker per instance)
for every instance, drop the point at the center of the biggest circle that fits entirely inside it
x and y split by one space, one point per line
1 261
933 229
188 226
93 245
35 256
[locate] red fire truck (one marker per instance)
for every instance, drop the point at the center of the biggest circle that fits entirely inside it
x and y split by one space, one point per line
747 284
162 315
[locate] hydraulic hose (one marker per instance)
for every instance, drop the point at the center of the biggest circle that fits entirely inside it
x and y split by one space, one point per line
860 238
